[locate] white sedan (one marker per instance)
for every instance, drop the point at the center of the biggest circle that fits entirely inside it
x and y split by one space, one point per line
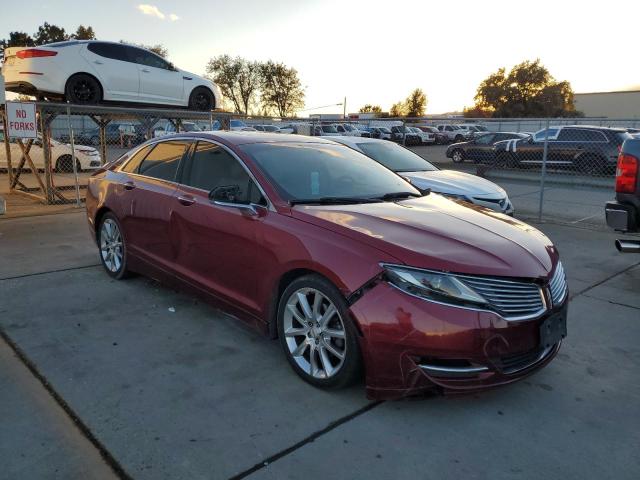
424 175
90 72
87 158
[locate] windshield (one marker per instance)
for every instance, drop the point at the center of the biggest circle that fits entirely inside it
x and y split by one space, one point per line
270 128
189 127
349 128
395 157
481 128
384 129
303 171
237 123
329 129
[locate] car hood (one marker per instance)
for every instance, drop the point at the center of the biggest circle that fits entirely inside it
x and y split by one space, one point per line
454 182
433 232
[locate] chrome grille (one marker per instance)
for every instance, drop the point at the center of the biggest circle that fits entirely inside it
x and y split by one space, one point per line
512 299
558 285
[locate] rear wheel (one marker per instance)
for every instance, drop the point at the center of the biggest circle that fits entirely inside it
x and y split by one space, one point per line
591 165
113 251
317 334
201 99
83 89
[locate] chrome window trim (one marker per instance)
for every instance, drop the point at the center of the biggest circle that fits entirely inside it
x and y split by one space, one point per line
172 137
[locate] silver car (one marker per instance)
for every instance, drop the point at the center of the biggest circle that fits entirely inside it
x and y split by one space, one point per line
425 175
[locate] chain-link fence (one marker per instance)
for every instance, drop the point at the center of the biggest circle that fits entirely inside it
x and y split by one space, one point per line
560 169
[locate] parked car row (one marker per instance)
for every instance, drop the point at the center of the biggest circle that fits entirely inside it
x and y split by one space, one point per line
354 269
589 149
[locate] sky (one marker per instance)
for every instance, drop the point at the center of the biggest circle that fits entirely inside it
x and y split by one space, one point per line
373 51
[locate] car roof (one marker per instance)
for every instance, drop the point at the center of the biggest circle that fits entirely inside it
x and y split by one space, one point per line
352 141
243 138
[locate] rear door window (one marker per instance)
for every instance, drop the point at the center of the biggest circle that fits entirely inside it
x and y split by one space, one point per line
109 50
134 162
163 161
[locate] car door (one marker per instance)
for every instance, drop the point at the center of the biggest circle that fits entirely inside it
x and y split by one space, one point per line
147 191
118 76
216 242
480 148
159 81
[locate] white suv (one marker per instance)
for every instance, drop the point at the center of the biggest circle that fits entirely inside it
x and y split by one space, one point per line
90 72
454 133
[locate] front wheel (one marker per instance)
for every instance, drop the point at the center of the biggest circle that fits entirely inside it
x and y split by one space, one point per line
317 334
64 164
113 251
201 100
457 156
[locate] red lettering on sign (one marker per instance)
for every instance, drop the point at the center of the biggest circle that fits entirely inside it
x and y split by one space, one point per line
21 113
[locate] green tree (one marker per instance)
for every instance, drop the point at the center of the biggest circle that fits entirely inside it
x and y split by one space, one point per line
397 110
84 33
368 108
48 33
281 88
239 80
416 103
16 39
528 90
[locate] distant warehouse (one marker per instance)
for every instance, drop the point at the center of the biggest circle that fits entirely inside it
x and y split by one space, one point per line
623 104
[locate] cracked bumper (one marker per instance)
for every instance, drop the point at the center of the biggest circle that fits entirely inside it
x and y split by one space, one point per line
407 340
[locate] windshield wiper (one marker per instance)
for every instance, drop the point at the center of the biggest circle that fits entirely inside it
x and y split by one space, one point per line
332 201
398 195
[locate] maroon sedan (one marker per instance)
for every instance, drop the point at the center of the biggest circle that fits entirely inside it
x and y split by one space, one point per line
344 261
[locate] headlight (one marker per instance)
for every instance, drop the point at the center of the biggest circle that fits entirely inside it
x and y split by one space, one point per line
439 287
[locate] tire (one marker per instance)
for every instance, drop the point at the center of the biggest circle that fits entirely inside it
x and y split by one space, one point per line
591 165
201 100
505 160
312 345
112 247
83 89
457 156
64 164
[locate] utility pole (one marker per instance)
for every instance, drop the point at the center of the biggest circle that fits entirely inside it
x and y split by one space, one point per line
344 109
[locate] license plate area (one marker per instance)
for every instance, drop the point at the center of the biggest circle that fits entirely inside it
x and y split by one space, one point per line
553 329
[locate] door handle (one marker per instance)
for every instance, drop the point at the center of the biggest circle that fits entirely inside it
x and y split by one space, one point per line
97 62
129 185
186 200
145 70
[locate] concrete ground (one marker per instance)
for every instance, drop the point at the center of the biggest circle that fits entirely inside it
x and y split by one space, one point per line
163 386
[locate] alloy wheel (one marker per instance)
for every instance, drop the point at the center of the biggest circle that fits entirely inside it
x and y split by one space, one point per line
457 156
111 247
315 333
84 91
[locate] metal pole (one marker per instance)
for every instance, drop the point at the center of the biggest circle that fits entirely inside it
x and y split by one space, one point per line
73 157
46 147
545 151
404 134
7 149
210 120
344 108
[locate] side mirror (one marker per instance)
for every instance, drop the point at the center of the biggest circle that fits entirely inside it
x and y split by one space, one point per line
225 194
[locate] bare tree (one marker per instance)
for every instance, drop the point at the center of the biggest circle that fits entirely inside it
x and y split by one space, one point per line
238 78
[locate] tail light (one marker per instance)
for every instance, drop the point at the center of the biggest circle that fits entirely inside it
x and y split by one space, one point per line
35 53
626 173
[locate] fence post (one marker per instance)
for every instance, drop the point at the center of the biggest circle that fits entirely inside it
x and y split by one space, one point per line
404 133
73 157
7 148
210 120
543 174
